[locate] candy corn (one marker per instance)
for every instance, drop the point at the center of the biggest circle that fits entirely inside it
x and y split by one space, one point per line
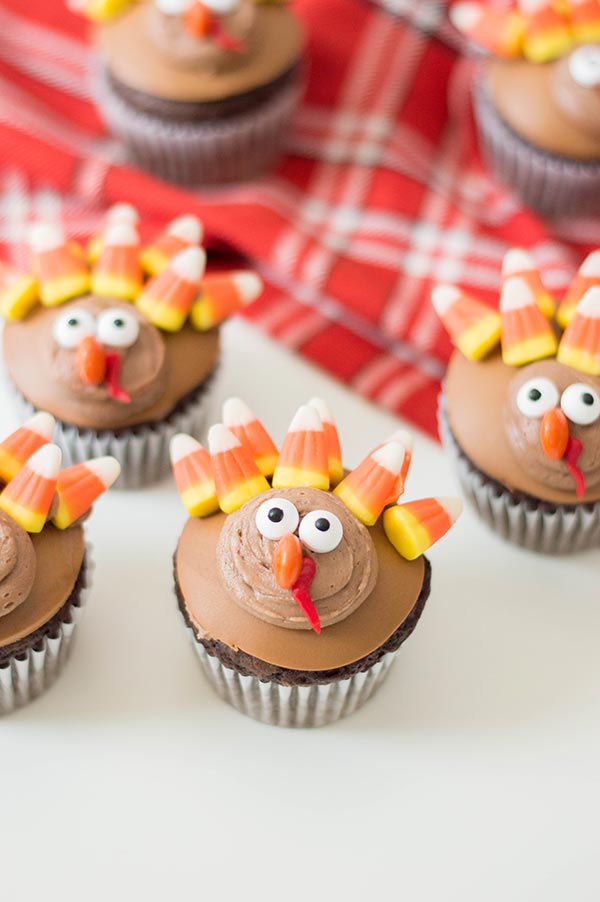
79 486
222 296
547 34
526 333
584 19
117 272
372 485
473 327
118 213
167 298
237 478
193 476
414 527
29 496
240 420
61 270
16 450
406 439
500 32
588 276
517 262
99 10
580 344
18 292
183 232
303 456
332 440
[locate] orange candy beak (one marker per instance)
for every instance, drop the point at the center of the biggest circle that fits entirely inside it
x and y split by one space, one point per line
554 434
287 561
91 361
198 20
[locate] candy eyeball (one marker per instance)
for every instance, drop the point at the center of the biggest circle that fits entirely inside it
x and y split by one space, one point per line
276 518
321 531
581 404
584 66
537 396
117 328
72 326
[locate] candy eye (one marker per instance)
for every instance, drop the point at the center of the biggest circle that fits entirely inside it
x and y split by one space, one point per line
584 66
321 531
73 326
580 404
118 328
276 518
537 396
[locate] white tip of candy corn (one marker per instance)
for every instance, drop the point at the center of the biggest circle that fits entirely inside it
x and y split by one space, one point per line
107 469
46 461
248 284
121 234
45 236
452 505
306 419
442 298
517 260
322 409
237 413
515 294
465 16
188 228
189 264
591 266
42 424
221 439
589 305
404 438
390 457
122 213
182 445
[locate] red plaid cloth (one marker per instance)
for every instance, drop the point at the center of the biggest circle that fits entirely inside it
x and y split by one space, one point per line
381 195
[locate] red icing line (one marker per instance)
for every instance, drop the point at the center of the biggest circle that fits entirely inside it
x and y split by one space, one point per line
572 455
113 371
224 39
301 593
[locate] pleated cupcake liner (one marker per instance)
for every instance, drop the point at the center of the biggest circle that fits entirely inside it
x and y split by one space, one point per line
292 706
531 524
237 148
551 185
142 451
28 674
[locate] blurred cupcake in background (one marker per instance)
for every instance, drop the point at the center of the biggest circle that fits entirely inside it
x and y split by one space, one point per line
122 351
199 92
537 98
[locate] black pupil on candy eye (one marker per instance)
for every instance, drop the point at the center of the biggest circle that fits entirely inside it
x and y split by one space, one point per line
534 394
275 515
587 399
73 321
119 323
322 524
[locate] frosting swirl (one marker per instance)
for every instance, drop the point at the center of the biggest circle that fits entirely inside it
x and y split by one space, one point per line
17 565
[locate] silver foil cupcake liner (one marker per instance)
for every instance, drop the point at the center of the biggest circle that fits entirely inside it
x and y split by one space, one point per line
551 185
142 451
27 675
292 706
530 524
234 149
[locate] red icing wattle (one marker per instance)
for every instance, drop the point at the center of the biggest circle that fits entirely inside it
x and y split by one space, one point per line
572 455
224 39
301 592
113 371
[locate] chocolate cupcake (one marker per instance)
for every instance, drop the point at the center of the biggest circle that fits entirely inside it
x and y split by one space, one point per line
44 566
201 92
523 423
121 362
297 594
537 104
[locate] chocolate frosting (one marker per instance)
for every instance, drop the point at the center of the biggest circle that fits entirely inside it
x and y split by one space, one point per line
344 577
545 106
214 613
17 565
58 559
157 371
502 442
128 44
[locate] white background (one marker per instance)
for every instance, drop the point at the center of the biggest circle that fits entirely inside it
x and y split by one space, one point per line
473 775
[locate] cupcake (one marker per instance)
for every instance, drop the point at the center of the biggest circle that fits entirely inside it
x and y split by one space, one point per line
121 361
44 565
537 100
299 583
199 92
523 422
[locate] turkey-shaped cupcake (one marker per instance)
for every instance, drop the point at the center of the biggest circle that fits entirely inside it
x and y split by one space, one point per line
299 583
537 102
44 568
524 421
122 351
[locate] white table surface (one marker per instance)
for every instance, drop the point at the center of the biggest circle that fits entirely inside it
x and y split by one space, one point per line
473 775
